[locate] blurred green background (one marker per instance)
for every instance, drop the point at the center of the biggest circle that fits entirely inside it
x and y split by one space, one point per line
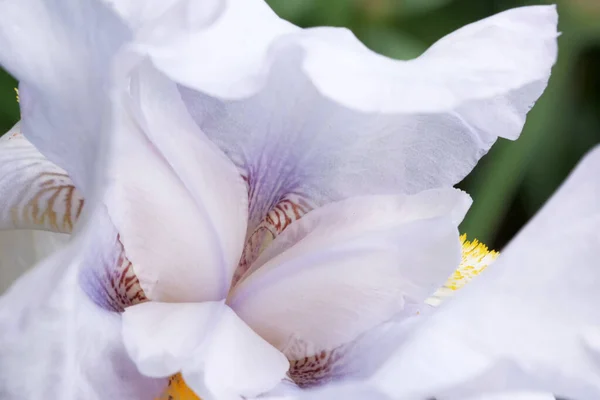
515 178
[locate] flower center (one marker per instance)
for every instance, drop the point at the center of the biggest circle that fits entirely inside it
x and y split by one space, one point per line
476 257
178 390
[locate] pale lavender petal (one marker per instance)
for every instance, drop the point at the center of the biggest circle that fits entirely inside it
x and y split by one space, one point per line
55 343
34 192
531 323
219 356
315 115
346 268
60 51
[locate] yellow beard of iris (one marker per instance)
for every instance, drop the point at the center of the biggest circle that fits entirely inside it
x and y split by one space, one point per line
476 257
178 390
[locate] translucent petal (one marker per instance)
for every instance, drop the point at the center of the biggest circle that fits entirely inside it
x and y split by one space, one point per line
60 51
530 323
346 392
513 396
21 249
107 274
219 355
248 42
178 204
34 192
161 21
347 267
55 343
288 138
304 109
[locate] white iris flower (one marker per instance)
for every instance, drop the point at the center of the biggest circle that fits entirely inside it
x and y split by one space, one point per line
262 201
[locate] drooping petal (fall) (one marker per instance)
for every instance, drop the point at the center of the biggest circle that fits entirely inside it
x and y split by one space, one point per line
219 356
346 268
34 192
35 195
530 323
55 343
60 51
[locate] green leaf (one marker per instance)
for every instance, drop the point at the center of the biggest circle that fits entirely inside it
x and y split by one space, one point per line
391 42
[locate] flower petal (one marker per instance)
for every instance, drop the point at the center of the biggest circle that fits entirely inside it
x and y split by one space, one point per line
55 343
21 249
60 51
107 275
178 204
514 396
248 41
326 119
347 267
34 192
219 355
355 391
161 20
529 323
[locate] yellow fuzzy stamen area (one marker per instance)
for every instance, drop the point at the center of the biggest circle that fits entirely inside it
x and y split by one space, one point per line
476 257
17 92
178 390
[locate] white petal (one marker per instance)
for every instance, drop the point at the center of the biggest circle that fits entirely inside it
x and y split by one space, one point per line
60 51
356 391
349 266
513 396
314 127
219 356
248 41
107 275
179 205
309 122
529 323
165 17
21 249
55 343
34 192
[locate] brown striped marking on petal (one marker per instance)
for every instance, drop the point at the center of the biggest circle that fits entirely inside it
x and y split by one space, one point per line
36 193
288 210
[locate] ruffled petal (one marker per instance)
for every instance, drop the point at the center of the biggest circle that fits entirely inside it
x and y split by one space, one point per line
219 356
55 343
161 21
61 51
303 116
247 42
178 204
314 114
34 192
346 268
530 323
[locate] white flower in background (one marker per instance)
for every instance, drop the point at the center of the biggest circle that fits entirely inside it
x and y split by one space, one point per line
270 124
525 328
